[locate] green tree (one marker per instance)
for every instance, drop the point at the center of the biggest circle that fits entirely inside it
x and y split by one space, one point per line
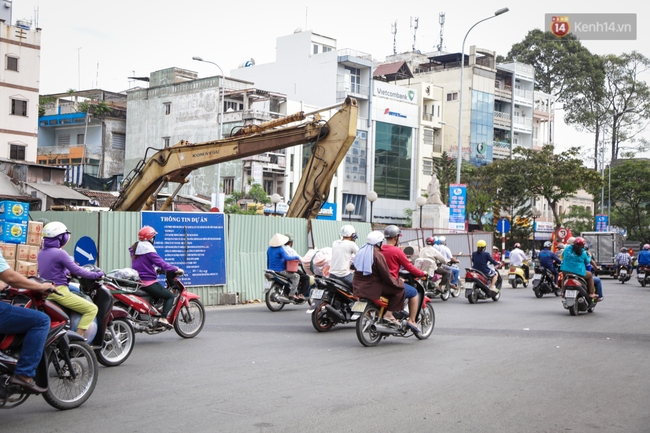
257 194
630 195
445 169
512 197
481 190
579 219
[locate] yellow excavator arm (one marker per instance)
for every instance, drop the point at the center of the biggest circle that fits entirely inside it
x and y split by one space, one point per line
173 164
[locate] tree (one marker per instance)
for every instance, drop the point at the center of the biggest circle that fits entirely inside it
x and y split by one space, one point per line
512 196
258 195
630 195
445 169
579 219
481 190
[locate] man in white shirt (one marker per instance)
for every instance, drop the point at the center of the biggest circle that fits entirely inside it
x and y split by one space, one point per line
343 252
518 258
430 252
445 251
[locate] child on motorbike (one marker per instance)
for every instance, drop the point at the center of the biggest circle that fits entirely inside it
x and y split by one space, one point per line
480 260
145 260
56 265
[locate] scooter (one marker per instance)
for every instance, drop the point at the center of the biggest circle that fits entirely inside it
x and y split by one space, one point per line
576 295
276 291
330 303
517 276
433 286
477 285
643 275
623 274
544 282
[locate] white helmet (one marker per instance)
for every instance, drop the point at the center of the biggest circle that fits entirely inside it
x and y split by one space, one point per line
54 229
570 240
347 231
375 238
443 240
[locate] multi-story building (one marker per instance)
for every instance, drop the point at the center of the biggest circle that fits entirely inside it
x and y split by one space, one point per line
20 47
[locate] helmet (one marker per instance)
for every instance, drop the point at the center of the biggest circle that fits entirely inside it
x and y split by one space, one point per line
54 229
646 247
548 244
290 236
443 240
347 231
436 240
623 249
392 232
517 245
146 233
494 247
430 240
560 246
481 244
580 242
571 240
375 238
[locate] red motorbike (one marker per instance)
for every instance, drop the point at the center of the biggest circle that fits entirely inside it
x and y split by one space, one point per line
187 315
68 368
477 286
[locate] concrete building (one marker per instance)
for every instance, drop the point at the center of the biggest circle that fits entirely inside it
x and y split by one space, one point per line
20 47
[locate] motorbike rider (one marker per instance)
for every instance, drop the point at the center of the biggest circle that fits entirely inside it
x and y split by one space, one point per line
644 257
56 265
623 258
575 261
480 260
343 252
396 259
372 278
34 325
518 258
145 260
496 255
276 258
444 249
429 252
303 285
548 260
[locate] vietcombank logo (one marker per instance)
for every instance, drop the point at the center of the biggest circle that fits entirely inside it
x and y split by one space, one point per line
411 95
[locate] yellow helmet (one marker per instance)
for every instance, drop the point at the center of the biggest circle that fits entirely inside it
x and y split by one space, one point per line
481 244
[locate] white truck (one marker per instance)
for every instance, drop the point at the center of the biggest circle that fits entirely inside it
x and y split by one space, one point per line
603 247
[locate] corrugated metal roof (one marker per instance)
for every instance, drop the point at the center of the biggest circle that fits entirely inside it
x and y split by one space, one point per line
57 191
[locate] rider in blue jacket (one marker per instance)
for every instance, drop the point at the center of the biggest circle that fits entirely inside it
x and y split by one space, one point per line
548 260
644 257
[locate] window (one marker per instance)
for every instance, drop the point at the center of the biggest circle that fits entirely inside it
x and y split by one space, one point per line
64 161
77 160
428 136
315 49
228 185
453 96
354 163
12 63
18 107
168 108
17 152
80 139
268 186
165 142
42 161
118 141
327 49
427 166
393 149
63 140
355 79
291 162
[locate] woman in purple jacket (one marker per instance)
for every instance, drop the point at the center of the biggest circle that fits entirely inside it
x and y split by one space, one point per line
145 260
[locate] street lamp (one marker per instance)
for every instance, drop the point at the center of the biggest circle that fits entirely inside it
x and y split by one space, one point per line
220 114
503 214
420 201
372 197
535 213
460 92
275 199
349 208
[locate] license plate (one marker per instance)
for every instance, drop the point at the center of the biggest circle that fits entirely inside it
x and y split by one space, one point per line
469 286
316 294
623 272
570 293
641 276
359 306
511 277
537 277
267 284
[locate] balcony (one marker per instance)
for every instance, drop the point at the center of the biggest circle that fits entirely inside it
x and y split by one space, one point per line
502 120
522 121
524 97
345 89
354 58
502 91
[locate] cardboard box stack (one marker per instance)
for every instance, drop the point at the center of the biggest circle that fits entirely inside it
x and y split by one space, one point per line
20 238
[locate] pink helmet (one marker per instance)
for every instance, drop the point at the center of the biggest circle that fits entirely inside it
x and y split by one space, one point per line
646 247
517 245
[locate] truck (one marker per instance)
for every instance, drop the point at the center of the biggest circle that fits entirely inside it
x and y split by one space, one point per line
330 142
603 247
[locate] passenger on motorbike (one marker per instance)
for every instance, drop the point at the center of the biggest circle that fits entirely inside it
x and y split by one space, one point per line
396 259
480 260
444 249
343 252
518 258
303 285
575 261
56 265
33 324
496 255
372 278
429 252
623 258
276 258
145 260
548 260
644 257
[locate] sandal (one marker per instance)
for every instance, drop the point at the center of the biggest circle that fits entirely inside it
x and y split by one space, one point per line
391 321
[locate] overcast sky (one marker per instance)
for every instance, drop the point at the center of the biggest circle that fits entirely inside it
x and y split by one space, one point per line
89 44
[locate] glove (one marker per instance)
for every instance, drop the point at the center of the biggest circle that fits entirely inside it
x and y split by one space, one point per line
179 271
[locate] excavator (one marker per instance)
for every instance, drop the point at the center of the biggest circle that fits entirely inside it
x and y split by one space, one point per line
331 141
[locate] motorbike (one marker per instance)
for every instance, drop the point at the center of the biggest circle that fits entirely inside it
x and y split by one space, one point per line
371 327
187 315
477 285
544 282
433 285
517 276
68 367
330 303
115 337
623 274
576 295
643 275
276 291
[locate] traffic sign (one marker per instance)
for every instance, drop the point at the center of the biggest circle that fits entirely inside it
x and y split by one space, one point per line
503 225
85 251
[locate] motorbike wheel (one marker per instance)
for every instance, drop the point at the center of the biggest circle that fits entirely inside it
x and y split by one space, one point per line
574 310
426 323
558 292
473 298
64 392
190 320
271 296
514 283
365 333
117 349
319 320
497 296
445 295
454 293
538 293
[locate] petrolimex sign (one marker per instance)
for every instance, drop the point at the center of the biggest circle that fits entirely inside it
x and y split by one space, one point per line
396 93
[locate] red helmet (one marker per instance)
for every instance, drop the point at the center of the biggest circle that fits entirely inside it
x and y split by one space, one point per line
580 242
146 233
430 240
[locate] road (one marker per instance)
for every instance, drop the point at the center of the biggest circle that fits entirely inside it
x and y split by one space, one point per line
518 365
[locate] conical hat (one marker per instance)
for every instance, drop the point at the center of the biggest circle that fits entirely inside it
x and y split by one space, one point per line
278 240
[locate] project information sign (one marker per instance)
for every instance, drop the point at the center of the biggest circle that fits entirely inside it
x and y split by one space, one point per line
192 241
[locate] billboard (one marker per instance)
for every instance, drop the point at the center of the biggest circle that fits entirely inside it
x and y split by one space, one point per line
457 206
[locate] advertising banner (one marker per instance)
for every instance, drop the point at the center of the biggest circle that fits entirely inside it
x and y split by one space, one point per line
192 241
457 206
602 221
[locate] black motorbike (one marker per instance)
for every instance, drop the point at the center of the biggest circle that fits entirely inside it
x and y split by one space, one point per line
643 275
330 303
576 295
276 291
544 282
623 274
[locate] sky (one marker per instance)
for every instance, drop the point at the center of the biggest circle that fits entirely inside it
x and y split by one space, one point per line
87 44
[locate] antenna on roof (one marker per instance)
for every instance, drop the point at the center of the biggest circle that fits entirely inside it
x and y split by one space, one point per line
441 20
415 29
393 30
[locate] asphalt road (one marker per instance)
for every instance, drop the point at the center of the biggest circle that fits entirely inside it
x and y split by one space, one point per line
521 364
